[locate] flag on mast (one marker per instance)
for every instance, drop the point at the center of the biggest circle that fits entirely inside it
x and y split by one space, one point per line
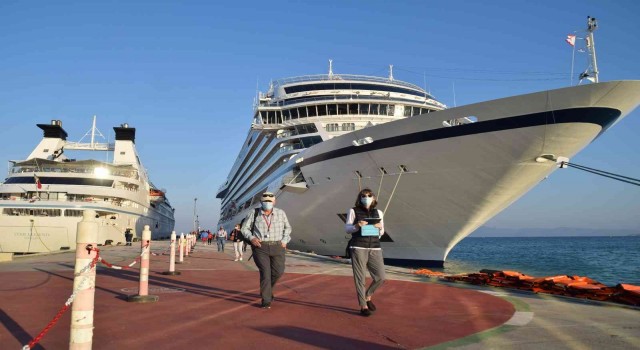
36 179
571 40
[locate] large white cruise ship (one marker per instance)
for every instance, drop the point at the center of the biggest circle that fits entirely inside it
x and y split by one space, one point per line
43 198
439 173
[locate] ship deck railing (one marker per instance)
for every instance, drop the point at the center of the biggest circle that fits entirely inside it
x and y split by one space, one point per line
94 200
342 77
351 97
69 170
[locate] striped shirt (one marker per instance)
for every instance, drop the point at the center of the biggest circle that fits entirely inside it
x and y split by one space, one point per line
273 227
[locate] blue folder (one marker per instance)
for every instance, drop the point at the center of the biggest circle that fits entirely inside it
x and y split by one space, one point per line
369 230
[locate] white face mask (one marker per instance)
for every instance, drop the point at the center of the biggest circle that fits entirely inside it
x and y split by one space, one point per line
366 201
267 205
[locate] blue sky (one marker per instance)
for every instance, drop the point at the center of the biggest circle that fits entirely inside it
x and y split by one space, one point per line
185 74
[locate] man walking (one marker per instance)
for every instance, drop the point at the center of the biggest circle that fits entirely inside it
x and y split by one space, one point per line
128 236
269 231
221 237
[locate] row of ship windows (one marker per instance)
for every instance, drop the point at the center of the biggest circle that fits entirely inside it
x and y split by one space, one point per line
78 170
65 197
277 117
337 127
48 180
41 212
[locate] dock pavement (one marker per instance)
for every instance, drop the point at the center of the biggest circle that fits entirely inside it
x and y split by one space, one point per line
215 304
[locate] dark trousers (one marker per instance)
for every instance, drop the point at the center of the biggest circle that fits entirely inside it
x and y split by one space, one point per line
269 259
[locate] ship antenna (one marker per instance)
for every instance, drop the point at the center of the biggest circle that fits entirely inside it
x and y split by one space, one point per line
93 131
93 145
330 68
592 25
453 83
424 81
391 72
257 98
591 73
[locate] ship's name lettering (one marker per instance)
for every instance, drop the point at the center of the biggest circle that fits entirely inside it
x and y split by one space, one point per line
28 234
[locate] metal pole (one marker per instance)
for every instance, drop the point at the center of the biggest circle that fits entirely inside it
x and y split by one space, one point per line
195 219
591 26
84 283
573 58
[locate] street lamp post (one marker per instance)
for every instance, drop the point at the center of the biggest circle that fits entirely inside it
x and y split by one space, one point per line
195 216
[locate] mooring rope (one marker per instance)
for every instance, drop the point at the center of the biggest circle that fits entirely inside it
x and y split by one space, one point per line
622 178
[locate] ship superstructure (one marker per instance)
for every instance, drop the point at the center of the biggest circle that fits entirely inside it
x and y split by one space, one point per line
297 113
44 197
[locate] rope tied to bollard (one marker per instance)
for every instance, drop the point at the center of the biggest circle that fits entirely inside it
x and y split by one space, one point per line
73 295
164 252
69 301
117 267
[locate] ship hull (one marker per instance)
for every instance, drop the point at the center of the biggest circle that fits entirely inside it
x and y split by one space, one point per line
437 184
39 234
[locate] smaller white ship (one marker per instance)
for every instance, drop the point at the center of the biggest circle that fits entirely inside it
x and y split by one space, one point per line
43 197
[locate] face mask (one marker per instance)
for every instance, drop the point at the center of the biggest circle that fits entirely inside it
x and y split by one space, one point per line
267 205
366 201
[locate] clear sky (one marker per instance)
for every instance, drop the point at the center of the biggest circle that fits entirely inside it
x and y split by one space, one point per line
184 74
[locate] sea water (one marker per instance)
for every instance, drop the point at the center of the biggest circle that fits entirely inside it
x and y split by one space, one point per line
609 260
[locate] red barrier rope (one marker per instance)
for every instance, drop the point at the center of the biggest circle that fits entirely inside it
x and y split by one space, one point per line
46 329
127 267
167 250
69 301
66 305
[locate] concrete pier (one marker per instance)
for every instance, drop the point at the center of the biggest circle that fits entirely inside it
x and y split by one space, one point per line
315 307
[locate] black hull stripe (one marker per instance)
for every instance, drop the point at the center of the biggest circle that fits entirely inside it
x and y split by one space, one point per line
591 115
413 263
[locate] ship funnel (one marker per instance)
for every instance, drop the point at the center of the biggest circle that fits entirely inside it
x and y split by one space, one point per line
53 130
125 133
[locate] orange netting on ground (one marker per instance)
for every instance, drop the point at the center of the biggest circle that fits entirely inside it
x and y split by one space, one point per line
573 286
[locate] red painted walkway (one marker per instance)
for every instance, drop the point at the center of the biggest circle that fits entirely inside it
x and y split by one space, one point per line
215 303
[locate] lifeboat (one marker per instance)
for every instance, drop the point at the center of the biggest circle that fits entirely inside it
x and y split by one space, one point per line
155 192
156 195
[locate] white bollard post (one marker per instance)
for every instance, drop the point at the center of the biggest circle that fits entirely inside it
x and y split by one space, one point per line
172 257
84 283
187 247
143 291
181 244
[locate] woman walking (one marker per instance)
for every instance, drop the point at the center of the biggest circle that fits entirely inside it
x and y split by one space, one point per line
366 226
236 238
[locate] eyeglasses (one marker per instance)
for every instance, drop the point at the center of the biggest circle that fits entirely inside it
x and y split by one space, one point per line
267 195
366 195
